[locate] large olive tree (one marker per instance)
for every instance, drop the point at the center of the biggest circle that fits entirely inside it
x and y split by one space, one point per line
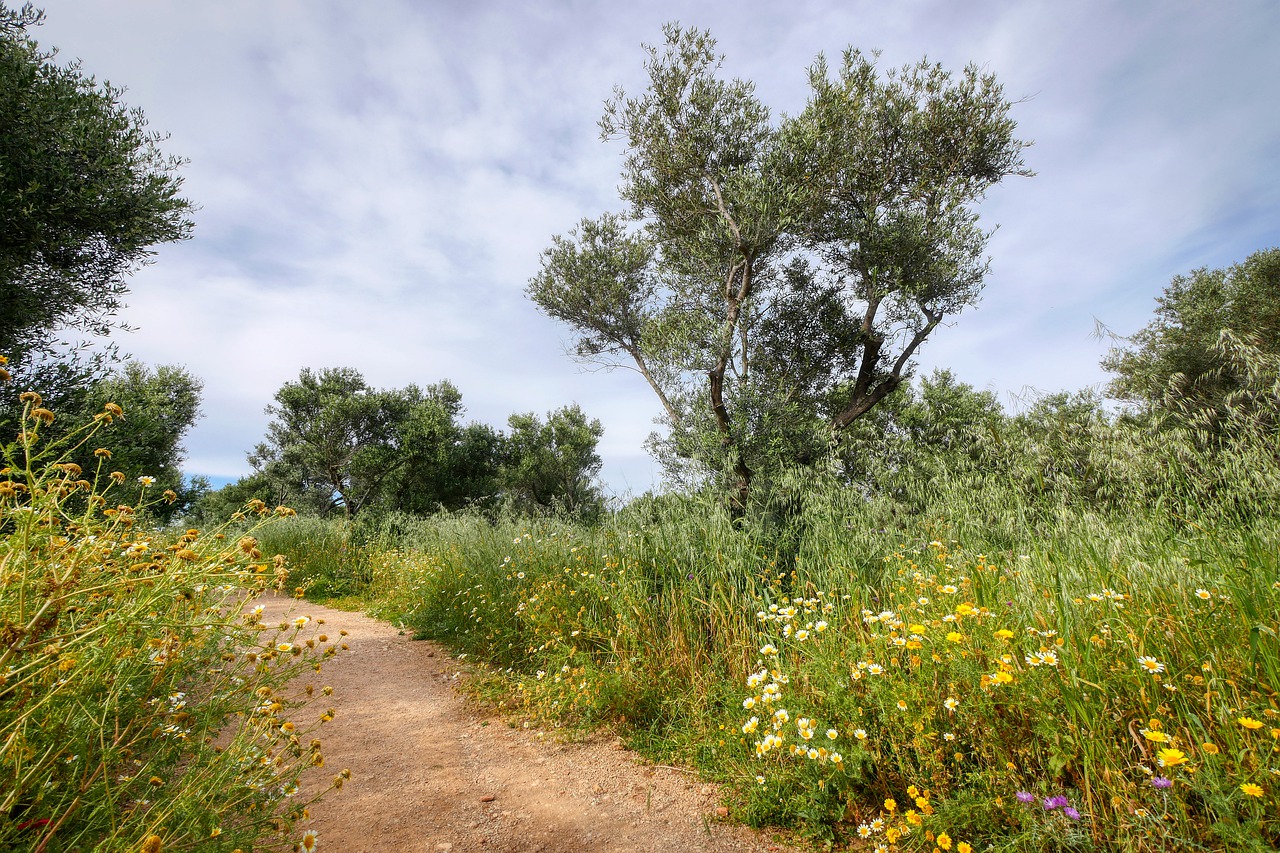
773 279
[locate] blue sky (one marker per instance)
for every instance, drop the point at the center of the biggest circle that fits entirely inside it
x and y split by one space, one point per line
376 180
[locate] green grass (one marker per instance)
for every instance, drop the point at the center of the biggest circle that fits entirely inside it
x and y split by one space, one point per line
1075 646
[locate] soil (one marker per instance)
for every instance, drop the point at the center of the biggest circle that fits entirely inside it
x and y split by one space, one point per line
431 771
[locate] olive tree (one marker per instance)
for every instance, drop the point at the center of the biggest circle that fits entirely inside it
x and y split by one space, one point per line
85 193
772 280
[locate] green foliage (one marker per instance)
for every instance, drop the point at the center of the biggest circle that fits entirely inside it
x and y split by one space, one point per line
551 466
160 406
155 408
140 706
775 279
85 193
1180 359
334 442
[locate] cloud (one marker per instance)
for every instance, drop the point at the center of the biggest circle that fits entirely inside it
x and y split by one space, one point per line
376 182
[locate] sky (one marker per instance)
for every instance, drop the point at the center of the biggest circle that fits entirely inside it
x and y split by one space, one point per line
376 181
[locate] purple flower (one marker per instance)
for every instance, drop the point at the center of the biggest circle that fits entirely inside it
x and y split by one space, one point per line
1025 797
1162 782
1071 813
1058 802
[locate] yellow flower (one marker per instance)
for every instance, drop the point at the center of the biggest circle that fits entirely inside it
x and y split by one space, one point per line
1004 634
944 841
1211 748
152 844
1249 723
963 847
1251 789
1170 757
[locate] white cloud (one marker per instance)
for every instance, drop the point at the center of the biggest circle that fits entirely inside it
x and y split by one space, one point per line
377 181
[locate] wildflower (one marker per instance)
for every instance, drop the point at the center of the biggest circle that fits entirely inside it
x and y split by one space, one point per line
749 703
1249 723
902 706
802 635
1058 802
864 830
832 734
308 842
1210 748
1150 664
1162 782
768 650
820 626
146 481
759 780
301 621
1251 789
943 841
890 804
955 637
951 703
1203 594
1025 797
875 669
1071 813
1170 757
860 734
1155 735
963 847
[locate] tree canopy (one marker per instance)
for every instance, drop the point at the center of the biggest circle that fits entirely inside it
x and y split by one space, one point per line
85 194
773 280
1188 355
551 466
334 443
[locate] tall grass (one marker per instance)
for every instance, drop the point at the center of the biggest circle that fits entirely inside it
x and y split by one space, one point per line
139 708
1074 645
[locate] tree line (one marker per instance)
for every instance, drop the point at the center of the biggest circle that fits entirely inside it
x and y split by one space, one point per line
336 446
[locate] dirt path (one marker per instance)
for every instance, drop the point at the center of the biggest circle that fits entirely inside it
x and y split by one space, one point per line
430 772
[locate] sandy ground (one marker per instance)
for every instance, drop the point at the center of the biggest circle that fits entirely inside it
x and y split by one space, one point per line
431 772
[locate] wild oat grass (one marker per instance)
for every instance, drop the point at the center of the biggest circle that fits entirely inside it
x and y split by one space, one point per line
139 707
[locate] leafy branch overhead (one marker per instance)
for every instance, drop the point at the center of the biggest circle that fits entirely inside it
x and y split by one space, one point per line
773 280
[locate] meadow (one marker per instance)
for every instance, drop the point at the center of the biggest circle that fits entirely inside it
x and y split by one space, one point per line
980 674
